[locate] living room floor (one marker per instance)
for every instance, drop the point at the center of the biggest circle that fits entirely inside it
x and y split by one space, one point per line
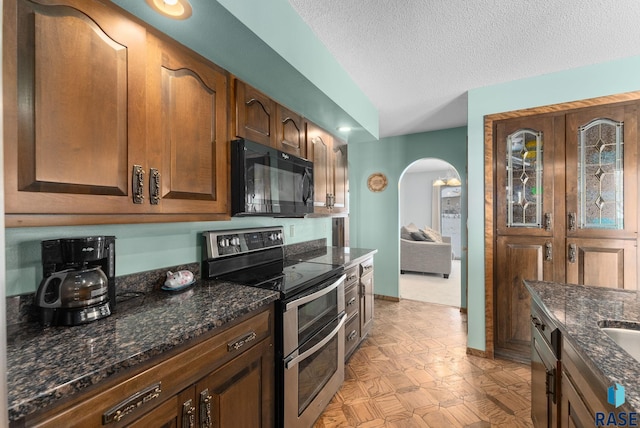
431 287
413 371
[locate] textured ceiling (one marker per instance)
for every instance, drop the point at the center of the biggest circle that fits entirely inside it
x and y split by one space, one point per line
416 59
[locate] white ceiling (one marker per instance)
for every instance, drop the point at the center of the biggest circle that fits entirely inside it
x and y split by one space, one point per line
416 59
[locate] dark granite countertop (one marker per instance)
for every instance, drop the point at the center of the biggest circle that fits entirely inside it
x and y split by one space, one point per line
576 310
45 365
345 256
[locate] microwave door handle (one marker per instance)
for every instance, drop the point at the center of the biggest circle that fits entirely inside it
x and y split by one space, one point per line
306 178
292 362
306 299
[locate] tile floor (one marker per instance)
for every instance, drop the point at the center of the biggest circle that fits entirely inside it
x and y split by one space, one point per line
413 371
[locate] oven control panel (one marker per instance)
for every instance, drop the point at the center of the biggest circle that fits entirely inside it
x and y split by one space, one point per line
228 242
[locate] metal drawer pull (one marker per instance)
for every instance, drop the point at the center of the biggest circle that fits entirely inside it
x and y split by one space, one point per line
205 409
352 335
352 277
154 186
239 343
122 409
188 414
137 184
351 301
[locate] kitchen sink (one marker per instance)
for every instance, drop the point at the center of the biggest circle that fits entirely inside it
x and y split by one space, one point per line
626 334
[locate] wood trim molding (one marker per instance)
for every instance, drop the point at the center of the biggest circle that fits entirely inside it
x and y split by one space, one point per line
489 202
388 298
477 353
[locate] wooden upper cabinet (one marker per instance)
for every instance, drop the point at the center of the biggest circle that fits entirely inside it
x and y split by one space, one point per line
186 131
340 177
254 114
319 148
602 176
529 165
290 132
74 88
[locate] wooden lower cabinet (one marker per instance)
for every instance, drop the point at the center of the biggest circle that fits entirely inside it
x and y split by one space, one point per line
359 304
518 258
602 262
224 381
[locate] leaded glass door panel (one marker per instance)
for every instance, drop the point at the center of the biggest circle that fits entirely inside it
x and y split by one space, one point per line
526 158
601 172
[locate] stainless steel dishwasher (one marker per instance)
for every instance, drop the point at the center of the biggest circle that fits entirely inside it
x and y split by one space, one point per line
545 370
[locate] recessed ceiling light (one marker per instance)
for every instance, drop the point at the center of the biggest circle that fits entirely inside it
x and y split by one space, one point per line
176 9
344 128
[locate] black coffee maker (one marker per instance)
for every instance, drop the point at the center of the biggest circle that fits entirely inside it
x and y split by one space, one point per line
79 280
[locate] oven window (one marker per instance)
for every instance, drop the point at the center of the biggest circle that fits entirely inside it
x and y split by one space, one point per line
316 314
315 371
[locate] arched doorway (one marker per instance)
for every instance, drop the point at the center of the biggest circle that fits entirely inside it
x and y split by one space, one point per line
430 199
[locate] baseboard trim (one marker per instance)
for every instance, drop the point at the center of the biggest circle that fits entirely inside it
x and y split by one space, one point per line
389 298
463 310
476 353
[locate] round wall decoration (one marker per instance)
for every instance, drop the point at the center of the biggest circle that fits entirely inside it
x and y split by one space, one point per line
377 182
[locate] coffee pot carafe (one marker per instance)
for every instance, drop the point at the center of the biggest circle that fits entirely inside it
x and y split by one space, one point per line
79 280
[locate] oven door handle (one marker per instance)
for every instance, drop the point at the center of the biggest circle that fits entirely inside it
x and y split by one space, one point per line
310 297
292 362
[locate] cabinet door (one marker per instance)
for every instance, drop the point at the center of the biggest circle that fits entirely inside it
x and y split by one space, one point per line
255 114
518 258
602 262
574 412
340 178
319 146
73 120
529 163
290 134
601 177
187 136
366 304
241 393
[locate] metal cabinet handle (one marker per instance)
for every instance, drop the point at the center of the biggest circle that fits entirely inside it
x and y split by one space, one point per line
352 335
351 301
188 414
241 341
537 323
572 253
351 277
572 221
205 409
547 221
137 184
550 385
131 403
154 186
548 251
331 200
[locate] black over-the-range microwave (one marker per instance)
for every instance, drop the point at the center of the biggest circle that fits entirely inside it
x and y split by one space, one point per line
268 182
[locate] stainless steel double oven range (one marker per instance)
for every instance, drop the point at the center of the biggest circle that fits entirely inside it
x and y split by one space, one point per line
310 315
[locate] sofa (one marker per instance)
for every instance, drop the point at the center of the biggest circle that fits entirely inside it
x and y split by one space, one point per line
424 250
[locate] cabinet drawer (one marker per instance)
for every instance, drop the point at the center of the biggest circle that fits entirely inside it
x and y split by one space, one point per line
366 266
131 395
351 335
351 300
352 276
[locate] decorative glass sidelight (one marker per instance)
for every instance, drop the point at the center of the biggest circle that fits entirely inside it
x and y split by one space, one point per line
600 175
524 179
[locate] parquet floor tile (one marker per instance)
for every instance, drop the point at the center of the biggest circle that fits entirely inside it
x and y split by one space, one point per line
413 371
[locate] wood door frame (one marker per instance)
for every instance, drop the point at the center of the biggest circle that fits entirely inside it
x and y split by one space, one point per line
489 201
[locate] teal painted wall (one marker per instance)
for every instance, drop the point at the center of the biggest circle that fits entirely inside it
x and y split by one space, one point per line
375 216
139 247
581 83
